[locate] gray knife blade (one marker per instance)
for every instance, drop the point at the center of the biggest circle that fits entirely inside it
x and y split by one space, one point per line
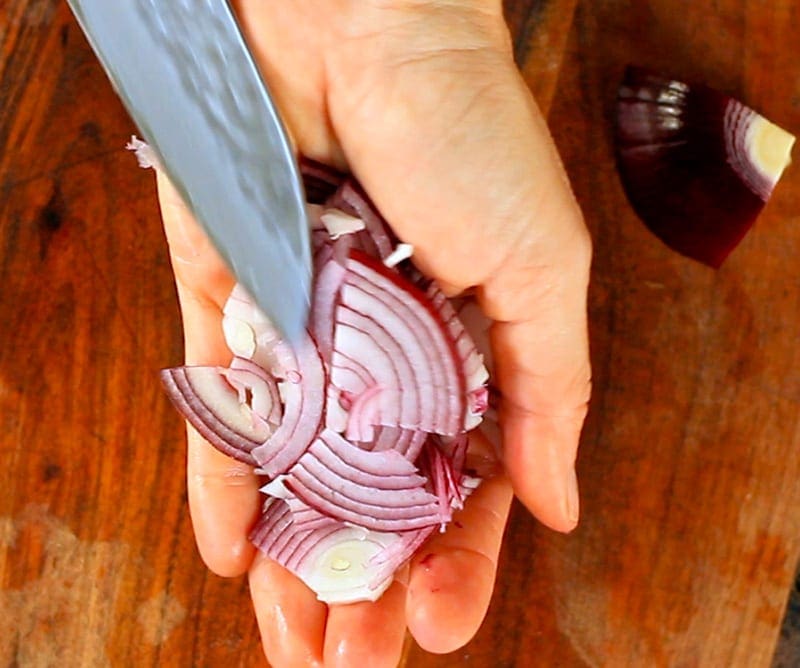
188 79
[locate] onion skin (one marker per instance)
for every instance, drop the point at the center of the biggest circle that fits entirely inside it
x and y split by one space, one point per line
690 161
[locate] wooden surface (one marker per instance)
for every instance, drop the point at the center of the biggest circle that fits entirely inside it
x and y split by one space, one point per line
691 510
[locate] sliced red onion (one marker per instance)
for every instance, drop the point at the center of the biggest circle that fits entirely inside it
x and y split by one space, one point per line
340 563
338 222
443 464
360 428
249 333
697 165
401 253
303 394
339 568
330 275
145 155
377 239
213 408
378 470
408 442
472 361
255 388
389 303
394 555
385 380
375 490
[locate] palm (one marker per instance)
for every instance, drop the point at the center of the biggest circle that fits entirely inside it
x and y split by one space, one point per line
426 108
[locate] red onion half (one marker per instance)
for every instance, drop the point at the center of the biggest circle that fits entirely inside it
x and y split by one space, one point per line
698 166
360 428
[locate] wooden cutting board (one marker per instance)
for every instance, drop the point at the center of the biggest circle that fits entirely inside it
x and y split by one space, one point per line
690 527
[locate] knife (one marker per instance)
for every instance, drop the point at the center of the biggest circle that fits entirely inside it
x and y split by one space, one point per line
189 81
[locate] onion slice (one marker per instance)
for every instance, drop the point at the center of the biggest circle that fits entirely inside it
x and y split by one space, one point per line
378 490
697 165
376 239
320 181
393 356
340 563
303 393
213 407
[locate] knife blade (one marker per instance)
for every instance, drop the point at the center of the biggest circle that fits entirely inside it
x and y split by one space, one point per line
190 83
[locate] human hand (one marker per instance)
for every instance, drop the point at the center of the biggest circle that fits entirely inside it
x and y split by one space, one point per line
421 100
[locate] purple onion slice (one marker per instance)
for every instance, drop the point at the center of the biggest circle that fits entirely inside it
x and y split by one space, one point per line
339 562
389 340
697 165
213 407
378 490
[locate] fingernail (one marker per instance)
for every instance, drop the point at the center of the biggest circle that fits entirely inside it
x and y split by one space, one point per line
573 498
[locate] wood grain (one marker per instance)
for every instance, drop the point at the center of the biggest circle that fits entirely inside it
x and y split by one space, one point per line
540 31
691 521
690 539
97 561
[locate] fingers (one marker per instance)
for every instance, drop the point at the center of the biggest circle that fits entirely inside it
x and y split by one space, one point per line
491 207
203 280
290 618
224 504
286 43
540 340
542 367
223 494
367 633
452 576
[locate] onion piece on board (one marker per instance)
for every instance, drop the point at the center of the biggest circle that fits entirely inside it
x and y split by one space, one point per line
697 165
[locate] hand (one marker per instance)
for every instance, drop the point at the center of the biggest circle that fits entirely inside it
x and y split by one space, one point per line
422 102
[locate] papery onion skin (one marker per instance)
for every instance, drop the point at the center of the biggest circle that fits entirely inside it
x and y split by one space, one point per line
689 161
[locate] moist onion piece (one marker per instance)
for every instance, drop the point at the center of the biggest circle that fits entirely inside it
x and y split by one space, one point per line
377 239
697 165
376 292
340 563
212 407
360 428
304 397
376 490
